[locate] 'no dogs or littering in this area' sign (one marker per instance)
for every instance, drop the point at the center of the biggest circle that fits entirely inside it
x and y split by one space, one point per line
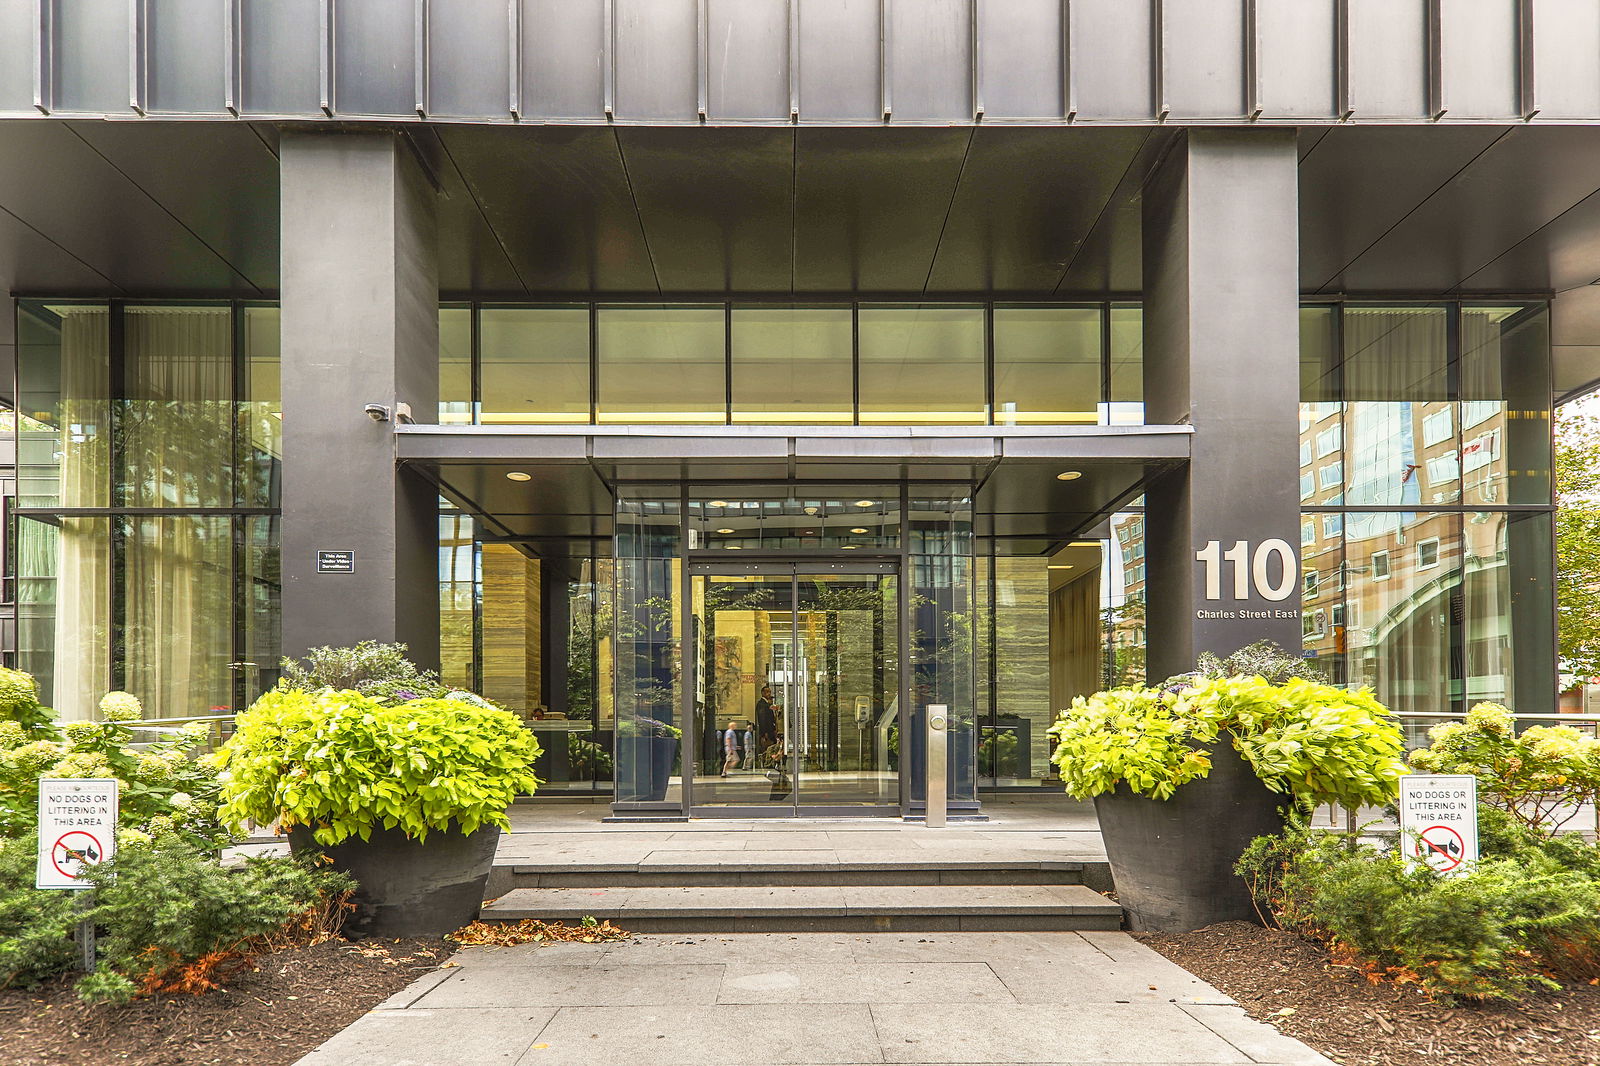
77 820
1439 820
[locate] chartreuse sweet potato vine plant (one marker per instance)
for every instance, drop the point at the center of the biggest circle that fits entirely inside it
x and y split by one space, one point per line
343 764
1316 742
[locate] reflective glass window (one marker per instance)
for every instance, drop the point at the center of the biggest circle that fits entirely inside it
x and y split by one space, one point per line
174 435
1505 404
534 364
1321 413
1127 366
1397 391
455 365
1046 365
922 365
1507 639
64 404
792 365
260 434
662 364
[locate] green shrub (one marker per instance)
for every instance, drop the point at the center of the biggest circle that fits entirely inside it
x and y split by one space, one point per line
169 917
1495 932
372 668
1317 742
1530 775
343 763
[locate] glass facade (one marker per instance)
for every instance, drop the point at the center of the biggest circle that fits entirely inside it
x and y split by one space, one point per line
146 518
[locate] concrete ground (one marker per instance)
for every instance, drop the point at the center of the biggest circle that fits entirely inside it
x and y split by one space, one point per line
766 999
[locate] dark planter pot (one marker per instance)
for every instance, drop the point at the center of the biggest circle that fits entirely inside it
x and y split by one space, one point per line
644 768
1172 860
406 888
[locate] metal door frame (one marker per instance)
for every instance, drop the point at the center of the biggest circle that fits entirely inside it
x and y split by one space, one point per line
705 563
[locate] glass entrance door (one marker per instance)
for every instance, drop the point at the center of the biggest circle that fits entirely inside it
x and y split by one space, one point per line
796 685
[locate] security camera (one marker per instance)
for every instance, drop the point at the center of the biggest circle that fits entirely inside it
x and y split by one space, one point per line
377 412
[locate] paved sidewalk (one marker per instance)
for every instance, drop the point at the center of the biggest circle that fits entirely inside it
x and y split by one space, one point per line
768 999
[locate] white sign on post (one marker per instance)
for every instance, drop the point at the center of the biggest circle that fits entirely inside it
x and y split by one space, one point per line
1439 820
77 827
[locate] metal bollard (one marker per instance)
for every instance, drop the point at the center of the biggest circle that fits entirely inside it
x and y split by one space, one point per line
938 721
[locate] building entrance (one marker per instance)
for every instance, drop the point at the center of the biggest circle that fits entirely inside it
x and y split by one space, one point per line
796 684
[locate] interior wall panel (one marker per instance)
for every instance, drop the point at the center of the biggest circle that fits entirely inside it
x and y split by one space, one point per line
1389 58
1204 57
374 57
1111 56
931 60
1566 58
1479 56
470 62
280 48
1020 59
563 58
1296 60
748 56
658 48
839 61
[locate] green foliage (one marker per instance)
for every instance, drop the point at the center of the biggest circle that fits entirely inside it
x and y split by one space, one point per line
1263 659
587 759
1530 775
641 726
1500 929
1319 743
1577 476
159 909
163 787
19 701
343 763
370 667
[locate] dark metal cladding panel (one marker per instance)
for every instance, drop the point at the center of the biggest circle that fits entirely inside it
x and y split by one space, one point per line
1111 59
931 61
1479 57
1029 197
657 44
1389 58
281 46
1360 181
374 54
840 61
1296 58
469 72
1204 57
1529 177
91 56
1566 45
1020 59
870 204
746 244
564 48
748 59
186 47
1561 255
16 56
558 199
31 262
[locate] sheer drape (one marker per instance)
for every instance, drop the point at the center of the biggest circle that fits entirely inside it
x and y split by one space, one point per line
1075 640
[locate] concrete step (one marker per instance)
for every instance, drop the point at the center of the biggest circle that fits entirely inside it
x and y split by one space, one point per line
818 908
754 870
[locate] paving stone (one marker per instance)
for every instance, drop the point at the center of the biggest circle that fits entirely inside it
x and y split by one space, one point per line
1256 1039
721 1035
996 1033
417 1037
534 985
873 982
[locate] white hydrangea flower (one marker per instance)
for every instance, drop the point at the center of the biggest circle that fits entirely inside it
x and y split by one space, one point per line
121 707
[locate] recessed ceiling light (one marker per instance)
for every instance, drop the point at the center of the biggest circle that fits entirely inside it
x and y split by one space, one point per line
1059 566
859 529
517 475
847 547
1069 475
719 503
809 533
864 503
734 547
724 531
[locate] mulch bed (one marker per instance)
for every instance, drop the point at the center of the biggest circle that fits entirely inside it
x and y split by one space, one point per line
289 1003
1340 1013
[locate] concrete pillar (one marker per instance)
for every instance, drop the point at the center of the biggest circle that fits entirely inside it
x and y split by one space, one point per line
1221 350
360 326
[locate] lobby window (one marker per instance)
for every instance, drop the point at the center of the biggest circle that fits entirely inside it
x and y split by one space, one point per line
922 365
1047 366
662 364
1125 404
792 365
455 365
533 365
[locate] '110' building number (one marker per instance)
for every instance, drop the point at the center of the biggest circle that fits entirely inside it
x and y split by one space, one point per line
1250 569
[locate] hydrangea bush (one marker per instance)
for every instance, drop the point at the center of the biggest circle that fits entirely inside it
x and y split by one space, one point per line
1538 776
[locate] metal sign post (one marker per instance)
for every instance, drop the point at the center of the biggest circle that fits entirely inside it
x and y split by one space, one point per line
77 830
938 720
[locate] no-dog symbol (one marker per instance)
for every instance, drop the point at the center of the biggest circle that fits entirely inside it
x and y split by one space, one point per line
1441 847
73 851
